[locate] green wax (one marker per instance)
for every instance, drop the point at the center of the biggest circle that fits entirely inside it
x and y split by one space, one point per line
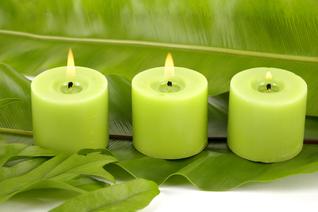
266 123
169 122
70 119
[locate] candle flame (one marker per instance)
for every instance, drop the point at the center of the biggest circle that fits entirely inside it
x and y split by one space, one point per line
169 67
70 70
269 76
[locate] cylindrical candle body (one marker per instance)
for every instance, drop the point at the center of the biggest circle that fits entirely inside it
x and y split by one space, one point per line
69 120
169 122
266 122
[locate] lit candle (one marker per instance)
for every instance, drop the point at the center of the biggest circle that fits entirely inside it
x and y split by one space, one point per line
267 111
169 106
70 108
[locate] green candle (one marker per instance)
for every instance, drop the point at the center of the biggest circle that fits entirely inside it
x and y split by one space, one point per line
169 106
267 114
69 108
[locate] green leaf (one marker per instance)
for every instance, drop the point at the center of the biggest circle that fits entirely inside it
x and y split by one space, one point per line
90 164
35 151
56 184
87 183
127 196
15 107
214 169
57 172
215 37
20 168
119 106
15 137
17 159
12 186
20 150
8 151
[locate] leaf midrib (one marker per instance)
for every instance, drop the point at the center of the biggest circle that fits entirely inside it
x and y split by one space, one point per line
212 49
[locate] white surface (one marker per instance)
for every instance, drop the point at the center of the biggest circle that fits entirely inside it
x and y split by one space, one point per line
295 193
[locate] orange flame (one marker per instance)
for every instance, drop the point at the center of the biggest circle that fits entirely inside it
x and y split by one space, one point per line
70 70
169 67
269 76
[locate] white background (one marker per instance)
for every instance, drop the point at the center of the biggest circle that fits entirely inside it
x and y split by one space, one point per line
295 193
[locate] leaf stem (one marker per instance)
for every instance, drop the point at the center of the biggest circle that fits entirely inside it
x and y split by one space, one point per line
16 132
123 137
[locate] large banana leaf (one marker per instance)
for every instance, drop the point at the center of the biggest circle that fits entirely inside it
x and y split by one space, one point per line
214 169
216 37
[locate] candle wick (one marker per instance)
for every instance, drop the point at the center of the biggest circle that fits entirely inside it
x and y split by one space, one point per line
268 86
169 83
69 84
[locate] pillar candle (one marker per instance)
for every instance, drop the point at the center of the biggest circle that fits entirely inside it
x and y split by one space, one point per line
169 106
267 109
69 108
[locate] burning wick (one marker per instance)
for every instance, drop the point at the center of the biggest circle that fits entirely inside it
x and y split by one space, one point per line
69 84
169 83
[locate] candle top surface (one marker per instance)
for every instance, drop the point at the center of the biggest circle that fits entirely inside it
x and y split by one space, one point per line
52 85
185 83
281 86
